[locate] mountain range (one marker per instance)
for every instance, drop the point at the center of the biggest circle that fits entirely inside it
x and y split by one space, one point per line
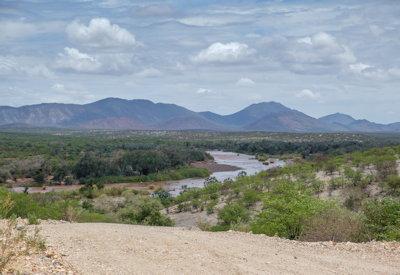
139 114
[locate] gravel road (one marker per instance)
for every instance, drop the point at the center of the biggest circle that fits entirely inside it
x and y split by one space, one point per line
131 249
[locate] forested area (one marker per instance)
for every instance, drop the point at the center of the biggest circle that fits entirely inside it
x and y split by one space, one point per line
71 159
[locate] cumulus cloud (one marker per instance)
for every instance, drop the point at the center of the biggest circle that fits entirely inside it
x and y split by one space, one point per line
203 91
100 33
77 61
308 94
232 52
320 53
244 81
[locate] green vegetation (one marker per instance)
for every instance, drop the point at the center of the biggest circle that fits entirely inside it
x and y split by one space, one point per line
356 199
116 205
338 187
85 158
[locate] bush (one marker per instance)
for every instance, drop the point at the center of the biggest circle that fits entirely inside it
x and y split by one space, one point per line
286 209
393 182
333 224
144 211
250 197
233 213
382 219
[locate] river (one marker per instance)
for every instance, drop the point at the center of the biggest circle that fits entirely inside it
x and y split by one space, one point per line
246 163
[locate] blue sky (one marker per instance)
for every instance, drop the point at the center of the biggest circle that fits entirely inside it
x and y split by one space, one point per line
318 57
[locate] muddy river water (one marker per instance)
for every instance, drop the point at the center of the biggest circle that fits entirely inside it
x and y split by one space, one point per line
246 163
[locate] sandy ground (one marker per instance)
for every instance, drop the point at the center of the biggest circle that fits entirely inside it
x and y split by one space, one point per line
131 249
213 167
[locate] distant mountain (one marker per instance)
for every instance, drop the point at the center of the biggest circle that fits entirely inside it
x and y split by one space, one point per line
138 114
109 113
288 121
343 122
338 118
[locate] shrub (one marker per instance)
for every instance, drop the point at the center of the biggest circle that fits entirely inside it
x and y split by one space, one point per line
393 182
286 209
144 211
333 224
163 196
386 166
382 219
250 197
233 213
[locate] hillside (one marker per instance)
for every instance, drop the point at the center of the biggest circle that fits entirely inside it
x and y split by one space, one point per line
139 114
132 249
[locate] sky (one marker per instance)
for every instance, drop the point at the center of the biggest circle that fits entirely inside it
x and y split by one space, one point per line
319 57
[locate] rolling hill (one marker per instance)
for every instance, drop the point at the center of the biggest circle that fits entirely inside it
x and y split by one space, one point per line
139 114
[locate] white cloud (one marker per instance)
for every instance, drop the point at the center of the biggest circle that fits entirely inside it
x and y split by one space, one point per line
74 60
244 81
320 53
13 66
100 33
321 49
203 91
232 52
11 30
372 72
58 87
358 67
148 73
306 93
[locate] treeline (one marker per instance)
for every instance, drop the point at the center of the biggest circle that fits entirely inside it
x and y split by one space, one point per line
94 165
303 148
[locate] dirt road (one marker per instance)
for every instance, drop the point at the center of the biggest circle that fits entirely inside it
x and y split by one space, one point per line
130 249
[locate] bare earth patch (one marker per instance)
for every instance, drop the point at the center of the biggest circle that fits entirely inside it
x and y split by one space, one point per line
213 167
131 249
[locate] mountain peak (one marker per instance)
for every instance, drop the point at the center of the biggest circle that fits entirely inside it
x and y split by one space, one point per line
338 118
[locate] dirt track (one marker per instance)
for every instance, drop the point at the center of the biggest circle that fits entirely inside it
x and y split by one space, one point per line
130 249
